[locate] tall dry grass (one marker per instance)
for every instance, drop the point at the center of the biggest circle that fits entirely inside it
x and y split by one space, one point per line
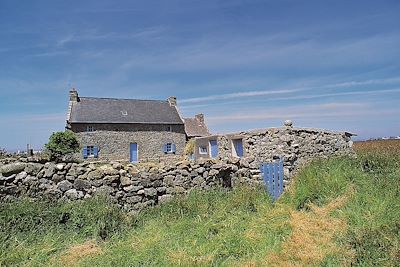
338 212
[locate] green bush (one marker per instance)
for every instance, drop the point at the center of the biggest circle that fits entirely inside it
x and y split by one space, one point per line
61 144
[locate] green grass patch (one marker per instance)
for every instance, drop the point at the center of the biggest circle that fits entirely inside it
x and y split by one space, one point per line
221 227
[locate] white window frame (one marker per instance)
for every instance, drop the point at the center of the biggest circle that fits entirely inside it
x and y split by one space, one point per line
90 128
90 151
203 150
168 148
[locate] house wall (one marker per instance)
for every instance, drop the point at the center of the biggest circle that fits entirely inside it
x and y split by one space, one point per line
206 143
113 140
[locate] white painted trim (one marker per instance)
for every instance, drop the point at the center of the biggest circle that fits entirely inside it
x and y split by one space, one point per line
234 152
203 153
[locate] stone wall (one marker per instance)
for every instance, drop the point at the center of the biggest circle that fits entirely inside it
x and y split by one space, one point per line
113 140
295 145
132 187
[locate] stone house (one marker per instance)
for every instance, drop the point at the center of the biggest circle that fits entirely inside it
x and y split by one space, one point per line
129 129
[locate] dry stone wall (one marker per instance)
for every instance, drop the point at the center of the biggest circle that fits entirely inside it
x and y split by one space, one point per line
132 187
294 145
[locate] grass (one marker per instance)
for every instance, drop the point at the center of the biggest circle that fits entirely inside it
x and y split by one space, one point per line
337 212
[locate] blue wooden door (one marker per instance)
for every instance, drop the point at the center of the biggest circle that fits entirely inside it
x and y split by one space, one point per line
134 152
214 148
273 177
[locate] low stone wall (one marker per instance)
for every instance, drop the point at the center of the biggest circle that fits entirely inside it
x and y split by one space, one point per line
132 187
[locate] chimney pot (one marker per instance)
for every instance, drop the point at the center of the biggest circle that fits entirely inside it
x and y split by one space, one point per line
200 117
172 101
73 95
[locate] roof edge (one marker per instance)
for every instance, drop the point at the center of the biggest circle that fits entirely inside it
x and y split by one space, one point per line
124 122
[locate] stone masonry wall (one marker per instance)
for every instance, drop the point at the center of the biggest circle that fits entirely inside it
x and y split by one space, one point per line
295 145
132 187
113 140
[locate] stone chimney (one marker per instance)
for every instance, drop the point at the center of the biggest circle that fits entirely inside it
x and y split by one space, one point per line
172 101
199 117
73 98
73 95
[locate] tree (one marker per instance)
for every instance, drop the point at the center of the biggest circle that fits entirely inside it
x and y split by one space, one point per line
61 144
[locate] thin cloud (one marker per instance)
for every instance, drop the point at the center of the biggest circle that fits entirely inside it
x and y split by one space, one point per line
368 82
369 92
301 114
66 39
238 95
94 35
294 90
50 54
226 52
56 117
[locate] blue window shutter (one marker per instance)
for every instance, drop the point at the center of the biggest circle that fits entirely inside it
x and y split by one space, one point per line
173 148
85 152
95 151
165 148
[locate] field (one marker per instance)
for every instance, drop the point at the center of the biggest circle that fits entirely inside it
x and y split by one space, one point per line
387 147
337 212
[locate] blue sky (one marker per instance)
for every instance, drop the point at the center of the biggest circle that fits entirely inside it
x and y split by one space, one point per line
245 64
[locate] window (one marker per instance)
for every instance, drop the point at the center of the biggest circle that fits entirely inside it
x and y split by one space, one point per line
90 128
237 148
213 148
169 128
169 148
90 152
203 150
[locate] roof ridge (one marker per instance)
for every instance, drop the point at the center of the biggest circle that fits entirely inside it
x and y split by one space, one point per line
113 98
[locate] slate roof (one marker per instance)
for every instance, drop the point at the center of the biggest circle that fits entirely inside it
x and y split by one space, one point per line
111 110
195 128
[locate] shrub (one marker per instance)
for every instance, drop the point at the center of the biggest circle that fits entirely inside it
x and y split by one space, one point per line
61 144
189 148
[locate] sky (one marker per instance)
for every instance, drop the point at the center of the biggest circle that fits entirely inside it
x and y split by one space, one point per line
244 64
